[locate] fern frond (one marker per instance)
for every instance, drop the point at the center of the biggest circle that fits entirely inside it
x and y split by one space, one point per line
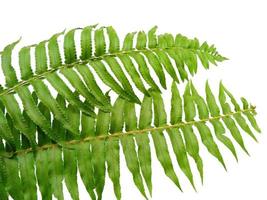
99 140
135 55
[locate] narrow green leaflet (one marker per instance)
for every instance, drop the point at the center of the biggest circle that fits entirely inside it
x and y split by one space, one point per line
128 146
176 105
70 155
100 69
203 59
229 122
43 168
176 137
55 157
86 42
69 47
189 106
238 117
56 175
84 155
100 44
162 43
164 59
141 40
178 58
27 173
25 63
191 61
203 129
53 51
191 141
156 65
250 116
98 152
128 42
26 165
135 76
118 72
217 125
143 142
209 142
192 147
40 58
144 70
243 124
169 39
85 165
91 83
13 184
113 147
159 139
6 64
114 45
43 172
152 38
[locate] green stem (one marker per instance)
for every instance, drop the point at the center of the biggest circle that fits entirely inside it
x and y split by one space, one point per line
136 132
81 62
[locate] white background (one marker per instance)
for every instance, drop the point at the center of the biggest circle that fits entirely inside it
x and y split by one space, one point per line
238 28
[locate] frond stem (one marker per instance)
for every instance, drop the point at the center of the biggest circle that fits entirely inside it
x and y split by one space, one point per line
84 62
136 132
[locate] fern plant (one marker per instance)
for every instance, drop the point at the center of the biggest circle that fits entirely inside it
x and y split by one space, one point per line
46 139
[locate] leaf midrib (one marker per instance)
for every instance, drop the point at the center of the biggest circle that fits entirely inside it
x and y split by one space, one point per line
135 132
84 62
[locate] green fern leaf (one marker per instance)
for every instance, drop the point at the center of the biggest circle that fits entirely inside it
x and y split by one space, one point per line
124 112
51 136
100 138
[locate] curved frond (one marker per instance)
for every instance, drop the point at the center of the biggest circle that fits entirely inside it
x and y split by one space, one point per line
55 62
193 121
